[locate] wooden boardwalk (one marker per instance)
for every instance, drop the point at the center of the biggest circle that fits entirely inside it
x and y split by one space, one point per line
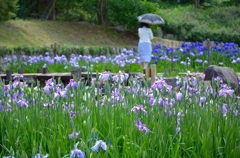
32 78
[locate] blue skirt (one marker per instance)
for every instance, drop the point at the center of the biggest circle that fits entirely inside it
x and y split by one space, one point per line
145 51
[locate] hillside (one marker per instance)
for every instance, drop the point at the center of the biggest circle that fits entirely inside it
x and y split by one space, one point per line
44 33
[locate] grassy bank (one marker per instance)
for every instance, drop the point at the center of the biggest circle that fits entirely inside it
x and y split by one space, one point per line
44 33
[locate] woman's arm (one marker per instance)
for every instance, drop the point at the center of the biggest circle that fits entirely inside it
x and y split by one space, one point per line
151 34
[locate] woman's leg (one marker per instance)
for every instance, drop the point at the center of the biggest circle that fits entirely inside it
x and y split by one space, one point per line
145 65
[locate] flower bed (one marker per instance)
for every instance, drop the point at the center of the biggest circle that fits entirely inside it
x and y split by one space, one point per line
189 57
135 121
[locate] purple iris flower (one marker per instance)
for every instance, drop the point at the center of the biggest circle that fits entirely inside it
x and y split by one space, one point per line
74 135
22 102
39 156
152 100
238 60
235 112
47 90
160 101
198 60
220 63
1 106
73 83
205 62
192 54
202 100
72 114
9 107
200 53
99 143
178 122
183 62
76 152
141 126
234 62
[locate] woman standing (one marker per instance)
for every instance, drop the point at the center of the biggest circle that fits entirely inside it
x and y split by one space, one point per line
145 46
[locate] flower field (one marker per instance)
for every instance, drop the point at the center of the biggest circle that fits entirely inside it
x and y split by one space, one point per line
113 120
188 57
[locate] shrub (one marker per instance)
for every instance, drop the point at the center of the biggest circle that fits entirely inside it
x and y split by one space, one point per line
7 9
215 23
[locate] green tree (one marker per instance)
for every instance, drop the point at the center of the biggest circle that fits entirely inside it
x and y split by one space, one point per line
125 12
7 9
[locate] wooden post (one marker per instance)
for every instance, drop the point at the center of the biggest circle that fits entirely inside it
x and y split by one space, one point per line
209 44
9 75
153 73
171 55
148 73
54 48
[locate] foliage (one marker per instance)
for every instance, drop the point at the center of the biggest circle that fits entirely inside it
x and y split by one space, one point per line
25 8
219 24
7 9
125 12
73 13
191 57
60 120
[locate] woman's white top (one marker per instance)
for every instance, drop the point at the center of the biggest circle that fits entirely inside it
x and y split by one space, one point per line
145 34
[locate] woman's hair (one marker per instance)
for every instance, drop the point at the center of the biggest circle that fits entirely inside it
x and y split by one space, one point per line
142 24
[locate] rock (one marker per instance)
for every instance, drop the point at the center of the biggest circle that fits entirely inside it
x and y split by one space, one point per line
169 36
120 28
183 31
227 75
171 81
160 32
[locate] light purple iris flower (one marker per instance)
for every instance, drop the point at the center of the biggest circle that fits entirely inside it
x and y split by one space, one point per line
9 107
76 152
120 77
202 100
178 96
47 90
104 76
139 107
224 109
183 63
234 62
101 144
225 91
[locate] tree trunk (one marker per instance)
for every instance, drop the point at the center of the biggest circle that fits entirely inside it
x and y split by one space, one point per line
53 10
197 4
101 11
